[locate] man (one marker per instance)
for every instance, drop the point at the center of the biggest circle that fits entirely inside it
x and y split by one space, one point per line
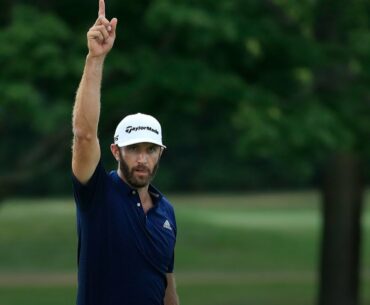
126 228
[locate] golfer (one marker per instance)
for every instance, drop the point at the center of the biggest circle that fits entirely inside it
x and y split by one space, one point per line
126 227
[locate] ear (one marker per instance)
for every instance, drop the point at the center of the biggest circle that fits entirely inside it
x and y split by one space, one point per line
115 151
161 149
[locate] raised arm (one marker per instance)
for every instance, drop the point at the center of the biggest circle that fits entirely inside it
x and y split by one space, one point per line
86 111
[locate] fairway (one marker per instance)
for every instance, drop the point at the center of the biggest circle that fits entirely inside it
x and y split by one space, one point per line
231 250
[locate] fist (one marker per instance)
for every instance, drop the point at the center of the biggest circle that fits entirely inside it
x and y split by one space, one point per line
101 35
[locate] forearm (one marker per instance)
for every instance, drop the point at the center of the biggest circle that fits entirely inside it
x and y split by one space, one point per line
86 110
171 297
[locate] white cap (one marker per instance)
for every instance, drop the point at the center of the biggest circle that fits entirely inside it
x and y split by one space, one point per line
138 128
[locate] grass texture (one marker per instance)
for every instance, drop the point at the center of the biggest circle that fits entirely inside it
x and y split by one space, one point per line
231 250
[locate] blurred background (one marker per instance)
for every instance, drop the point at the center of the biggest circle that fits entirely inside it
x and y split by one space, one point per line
265 108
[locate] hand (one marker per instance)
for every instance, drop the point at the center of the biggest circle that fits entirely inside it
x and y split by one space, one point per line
101 35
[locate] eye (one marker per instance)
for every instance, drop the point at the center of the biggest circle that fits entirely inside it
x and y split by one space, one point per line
131 148
152 149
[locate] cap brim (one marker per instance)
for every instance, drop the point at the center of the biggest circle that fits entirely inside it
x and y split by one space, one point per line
136 141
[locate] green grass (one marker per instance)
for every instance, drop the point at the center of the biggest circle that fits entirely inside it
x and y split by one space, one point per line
36 236
244 294
231 250
51 295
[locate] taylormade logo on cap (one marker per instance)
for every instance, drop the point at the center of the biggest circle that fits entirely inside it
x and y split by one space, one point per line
138 128
130 128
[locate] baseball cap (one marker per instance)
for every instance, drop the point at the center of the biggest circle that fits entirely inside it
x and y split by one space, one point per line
138 128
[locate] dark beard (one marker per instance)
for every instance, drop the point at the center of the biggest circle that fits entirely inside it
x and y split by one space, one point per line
130 177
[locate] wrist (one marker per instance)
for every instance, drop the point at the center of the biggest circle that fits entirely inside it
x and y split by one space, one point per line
95 59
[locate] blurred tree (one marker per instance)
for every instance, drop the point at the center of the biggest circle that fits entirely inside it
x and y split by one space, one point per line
37 79
309 107
339 81
294 114
341 238
238 84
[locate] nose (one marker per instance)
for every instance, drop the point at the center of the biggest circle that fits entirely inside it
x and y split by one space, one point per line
142 157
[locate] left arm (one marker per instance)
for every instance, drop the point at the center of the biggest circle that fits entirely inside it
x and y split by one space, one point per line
171 297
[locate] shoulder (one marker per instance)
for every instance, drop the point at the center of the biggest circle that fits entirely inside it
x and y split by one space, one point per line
170 211
167 204
99 175
88 193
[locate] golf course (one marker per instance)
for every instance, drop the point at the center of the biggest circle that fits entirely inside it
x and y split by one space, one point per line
231 250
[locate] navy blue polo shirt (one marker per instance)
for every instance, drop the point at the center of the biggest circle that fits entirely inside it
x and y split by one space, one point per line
123 253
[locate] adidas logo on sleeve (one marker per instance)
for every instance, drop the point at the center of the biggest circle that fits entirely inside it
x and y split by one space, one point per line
167 225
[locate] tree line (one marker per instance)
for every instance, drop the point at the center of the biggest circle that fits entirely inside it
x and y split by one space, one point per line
251 94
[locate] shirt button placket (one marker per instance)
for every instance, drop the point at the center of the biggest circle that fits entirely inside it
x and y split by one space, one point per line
134 192
138 204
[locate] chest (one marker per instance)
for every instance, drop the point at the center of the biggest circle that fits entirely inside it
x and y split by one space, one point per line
149 228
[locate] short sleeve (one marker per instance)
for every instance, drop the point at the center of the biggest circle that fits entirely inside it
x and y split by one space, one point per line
86 195
171 265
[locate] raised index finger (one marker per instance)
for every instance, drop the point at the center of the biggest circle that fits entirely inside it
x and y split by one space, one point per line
101 8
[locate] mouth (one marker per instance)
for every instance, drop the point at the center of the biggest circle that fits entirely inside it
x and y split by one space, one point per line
141 171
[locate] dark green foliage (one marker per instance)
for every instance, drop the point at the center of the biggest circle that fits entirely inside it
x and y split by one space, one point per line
251 94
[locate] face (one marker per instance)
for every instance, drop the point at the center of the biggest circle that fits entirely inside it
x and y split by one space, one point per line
138 163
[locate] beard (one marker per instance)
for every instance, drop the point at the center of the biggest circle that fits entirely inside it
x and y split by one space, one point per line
137 181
